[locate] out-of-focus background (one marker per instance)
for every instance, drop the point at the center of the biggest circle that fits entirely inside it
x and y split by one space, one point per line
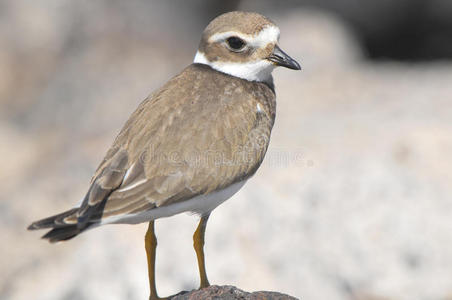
353 200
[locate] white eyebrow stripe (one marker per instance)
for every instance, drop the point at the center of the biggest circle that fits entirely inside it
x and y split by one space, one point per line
270 34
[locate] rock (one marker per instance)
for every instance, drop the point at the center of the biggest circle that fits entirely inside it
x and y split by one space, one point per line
228 292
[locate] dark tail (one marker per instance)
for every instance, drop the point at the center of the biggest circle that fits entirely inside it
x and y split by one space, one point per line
62 233
64 226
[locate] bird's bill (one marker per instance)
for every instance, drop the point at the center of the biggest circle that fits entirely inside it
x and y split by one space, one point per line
280 58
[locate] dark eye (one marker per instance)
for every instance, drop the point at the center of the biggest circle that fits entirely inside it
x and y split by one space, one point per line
235 43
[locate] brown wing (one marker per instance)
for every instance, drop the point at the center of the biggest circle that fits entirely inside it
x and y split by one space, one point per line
201 132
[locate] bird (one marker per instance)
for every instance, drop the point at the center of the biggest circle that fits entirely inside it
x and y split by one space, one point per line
191 144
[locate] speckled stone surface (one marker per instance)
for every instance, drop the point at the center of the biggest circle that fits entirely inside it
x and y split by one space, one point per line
228 292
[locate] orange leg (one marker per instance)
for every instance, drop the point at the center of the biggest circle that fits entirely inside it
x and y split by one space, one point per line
150 242
198 244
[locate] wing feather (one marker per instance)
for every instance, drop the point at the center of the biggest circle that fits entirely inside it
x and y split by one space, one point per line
176 146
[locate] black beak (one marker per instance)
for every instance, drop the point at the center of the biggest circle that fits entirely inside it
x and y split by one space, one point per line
280 58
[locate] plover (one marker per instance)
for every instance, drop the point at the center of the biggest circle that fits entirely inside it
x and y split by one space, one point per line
193 143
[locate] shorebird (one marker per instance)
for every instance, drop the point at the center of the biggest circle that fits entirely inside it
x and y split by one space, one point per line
193 143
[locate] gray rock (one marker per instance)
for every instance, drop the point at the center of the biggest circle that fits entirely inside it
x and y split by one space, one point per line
228 292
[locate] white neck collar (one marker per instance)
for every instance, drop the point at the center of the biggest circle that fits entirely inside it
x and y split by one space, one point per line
253 71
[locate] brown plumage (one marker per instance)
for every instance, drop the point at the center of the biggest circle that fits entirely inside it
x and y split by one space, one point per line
226 22
251 23
193 143
199 133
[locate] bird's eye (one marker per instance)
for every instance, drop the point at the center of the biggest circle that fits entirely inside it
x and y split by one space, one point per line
235 43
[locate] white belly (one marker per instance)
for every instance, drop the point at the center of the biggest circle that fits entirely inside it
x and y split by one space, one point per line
200 205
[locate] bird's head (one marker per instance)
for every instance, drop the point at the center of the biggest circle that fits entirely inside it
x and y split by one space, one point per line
244 45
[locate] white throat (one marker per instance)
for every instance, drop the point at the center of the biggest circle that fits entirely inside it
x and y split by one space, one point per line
253 71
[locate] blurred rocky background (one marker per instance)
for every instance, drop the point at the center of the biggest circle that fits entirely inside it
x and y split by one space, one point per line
354 198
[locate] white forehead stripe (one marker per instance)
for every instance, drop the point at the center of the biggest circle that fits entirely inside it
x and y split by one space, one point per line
269 34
